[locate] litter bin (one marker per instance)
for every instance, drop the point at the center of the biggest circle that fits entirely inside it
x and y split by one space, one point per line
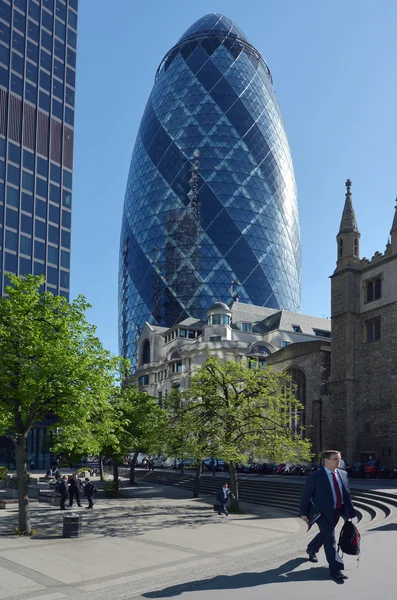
72 525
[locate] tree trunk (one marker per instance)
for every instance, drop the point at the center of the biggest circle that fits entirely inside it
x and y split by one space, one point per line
115 472
22 479
196 487
132 468
101 475
234 485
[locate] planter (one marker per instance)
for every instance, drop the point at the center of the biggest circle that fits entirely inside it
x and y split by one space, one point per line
11 493
33 491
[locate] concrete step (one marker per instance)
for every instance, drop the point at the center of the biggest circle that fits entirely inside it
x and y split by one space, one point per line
373 507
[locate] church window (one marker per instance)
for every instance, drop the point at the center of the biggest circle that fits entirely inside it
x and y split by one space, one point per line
373 289
355 247
340 249
372 329
246 327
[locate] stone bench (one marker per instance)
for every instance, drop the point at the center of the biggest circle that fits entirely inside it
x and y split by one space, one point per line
13 503
47 496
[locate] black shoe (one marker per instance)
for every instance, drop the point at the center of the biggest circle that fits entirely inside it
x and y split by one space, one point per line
338 576
312 556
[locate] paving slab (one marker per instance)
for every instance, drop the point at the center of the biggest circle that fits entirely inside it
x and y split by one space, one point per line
157 531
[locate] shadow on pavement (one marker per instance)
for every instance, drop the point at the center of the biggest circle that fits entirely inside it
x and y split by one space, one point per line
283 574
387 527
133 515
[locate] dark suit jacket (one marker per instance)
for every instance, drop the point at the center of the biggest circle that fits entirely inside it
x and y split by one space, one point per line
221 496
318 489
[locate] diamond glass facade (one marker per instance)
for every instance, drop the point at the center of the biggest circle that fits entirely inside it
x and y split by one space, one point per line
210 209
38 40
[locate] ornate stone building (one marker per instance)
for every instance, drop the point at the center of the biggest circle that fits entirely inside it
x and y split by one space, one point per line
360 415
291 342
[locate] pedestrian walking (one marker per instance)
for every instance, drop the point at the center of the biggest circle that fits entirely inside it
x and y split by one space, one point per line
223 498
328 491
32 464
75 488
213 465
89 491
63 491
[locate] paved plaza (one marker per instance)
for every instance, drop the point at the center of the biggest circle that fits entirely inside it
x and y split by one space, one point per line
161 543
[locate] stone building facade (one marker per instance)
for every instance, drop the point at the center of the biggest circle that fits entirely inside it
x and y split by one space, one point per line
361 412
291 342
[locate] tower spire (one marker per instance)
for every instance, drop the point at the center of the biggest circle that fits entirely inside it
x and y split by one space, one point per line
393 231
349 235
348 222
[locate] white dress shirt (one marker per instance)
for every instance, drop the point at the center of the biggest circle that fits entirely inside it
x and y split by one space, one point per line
331 482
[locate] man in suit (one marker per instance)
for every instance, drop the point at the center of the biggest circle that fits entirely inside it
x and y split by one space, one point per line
328 489
63 491
223 498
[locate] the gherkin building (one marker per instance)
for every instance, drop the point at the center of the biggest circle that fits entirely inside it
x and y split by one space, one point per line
210 210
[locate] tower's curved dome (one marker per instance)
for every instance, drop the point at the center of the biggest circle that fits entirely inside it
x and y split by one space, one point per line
213 23
210 208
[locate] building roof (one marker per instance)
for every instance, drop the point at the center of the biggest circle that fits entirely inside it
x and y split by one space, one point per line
265 319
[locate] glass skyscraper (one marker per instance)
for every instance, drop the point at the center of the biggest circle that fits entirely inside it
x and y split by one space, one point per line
210 210
38 40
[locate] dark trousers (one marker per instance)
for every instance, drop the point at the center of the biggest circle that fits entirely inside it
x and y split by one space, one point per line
326 536
222 509
63 500
90 501
74 493
213 469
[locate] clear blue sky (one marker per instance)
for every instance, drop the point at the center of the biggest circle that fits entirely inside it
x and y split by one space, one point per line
334 72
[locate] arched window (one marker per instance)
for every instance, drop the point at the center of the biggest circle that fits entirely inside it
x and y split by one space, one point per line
259 349
340 250
355 247
298 417
146 352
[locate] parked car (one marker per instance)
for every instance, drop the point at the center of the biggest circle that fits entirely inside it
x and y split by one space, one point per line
188 463
219 467
371 469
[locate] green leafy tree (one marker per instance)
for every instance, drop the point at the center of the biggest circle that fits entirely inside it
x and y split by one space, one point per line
51 363
233 410
128 419
182 438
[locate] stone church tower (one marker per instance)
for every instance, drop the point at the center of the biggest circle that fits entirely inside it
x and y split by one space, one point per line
361 412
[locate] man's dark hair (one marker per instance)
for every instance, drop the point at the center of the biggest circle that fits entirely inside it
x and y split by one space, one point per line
226 484
329 453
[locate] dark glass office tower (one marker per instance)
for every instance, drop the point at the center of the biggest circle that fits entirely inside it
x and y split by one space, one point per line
210 209
38 40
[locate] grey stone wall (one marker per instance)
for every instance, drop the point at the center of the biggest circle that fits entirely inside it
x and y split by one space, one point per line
361 414
313 358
